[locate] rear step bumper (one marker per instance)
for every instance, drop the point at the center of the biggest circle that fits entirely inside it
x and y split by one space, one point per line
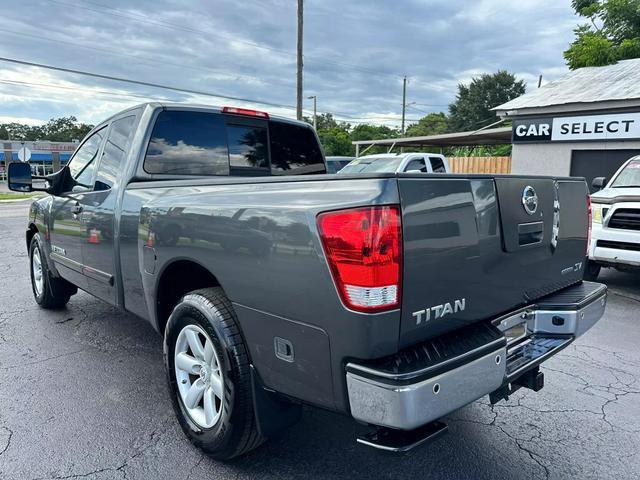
387 394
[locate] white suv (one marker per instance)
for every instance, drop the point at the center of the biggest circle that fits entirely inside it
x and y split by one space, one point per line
615 240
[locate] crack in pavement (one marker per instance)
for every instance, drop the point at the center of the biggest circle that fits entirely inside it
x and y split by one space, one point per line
627 296
9 367
196 465
6 447
60 322
153 439
534 456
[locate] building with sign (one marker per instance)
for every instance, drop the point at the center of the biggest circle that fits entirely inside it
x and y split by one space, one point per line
586 124
44 157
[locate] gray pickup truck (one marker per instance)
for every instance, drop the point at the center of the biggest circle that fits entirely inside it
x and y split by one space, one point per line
392 298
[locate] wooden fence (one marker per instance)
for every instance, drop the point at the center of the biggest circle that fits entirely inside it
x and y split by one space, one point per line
480 164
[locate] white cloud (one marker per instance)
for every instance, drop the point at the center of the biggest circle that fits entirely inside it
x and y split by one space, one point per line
355 52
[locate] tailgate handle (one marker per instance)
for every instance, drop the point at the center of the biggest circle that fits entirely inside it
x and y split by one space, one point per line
530 233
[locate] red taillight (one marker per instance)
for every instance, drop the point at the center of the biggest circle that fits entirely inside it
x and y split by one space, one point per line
245 111
589 222
363 247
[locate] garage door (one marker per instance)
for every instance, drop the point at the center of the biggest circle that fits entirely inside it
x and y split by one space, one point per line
598 163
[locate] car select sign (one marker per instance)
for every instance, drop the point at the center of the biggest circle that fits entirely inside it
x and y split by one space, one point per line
622 126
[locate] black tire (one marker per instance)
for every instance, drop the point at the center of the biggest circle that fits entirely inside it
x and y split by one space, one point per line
236 431
55 292
591 271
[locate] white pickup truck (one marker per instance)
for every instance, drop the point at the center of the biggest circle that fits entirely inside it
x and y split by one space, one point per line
398 163
616 221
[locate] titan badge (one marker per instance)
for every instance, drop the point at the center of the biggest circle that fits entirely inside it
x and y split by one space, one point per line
439 311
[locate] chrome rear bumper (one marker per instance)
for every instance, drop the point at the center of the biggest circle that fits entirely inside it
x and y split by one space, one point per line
408 400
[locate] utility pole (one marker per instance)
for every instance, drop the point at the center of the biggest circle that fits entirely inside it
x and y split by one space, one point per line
404 101
540 81
299 73
315 121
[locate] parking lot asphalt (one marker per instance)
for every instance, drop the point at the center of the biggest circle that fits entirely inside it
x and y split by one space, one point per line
83 395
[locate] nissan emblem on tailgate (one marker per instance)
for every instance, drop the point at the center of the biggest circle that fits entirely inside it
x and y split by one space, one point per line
529 200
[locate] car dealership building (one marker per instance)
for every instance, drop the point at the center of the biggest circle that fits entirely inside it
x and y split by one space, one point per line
585 124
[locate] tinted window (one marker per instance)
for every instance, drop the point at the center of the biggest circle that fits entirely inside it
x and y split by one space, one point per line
188 143
416 164
437 165
114 152
247 146
83 162
294 150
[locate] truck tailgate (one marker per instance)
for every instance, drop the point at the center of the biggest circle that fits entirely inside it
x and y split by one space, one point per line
473 251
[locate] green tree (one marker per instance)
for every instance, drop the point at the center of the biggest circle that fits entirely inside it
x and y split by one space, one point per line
431 124
63 129
612 34
472 108
326 121
335 142
366 131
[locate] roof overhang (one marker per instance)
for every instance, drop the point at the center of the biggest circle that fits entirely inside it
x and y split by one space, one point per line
490 136
567 108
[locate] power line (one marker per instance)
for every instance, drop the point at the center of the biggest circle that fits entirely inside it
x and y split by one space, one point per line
170 87
140 59
417 109
142 83
431 104
44 86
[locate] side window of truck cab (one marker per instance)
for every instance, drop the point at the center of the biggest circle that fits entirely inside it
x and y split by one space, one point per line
83 163
437 165
416 164
114 152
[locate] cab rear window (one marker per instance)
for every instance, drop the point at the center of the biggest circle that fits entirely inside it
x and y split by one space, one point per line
294 150
206 143
188 143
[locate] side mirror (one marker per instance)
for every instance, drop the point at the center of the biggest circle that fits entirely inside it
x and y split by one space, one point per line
599 183
19 177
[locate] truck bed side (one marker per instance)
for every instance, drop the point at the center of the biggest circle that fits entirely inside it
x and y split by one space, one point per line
258 238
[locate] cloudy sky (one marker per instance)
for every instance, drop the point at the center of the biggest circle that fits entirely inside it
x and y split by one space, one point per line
356 52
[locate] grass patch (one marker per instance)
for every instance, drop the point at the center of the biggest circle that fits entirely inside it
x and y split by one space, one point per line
15 196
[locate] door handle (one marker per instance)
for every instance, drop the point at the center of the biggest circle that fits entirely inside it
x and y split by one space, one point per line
76 209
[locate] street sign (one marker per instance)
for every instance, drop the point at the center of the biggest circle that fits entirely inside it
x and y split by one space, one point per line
24 154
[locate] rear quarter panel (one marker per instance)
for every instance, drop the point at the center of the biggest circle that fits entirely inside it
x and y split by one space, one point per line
260 240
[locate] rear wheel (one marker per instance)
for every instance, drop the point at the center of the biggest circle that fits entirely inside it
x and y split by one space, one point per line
592 271
48 291
209 375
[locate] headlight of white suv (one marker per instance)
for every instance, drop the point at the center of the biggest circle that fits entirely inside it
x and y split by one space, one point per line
597 212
